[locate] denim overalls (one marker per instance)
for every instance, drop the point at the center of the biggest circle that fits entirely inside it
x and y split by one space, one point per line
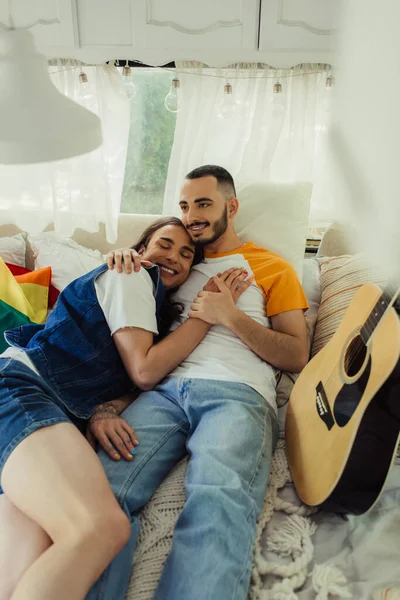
76 358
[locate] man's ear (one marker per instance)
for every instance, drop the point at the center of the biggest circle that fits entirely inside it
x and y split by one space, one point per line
233 207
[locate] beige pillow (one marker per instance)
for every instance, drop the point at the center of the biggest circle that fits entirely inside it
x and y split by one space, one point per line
341 277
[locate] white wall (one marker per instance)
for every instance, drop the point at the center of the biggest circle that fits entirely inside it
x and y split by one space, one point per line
366 123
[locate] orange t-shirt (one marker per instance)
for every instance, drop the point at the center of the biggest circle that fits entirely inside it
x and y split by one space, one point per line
274 275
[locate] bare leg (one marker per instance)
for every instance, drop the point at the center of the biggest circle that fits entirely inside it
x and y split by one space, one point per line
22 541
55 478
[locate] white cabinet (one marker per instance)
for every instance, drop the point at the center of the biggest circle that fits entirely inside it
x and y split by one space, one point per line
164 24
104 23
217 32
153 31
302 29
59 13
194 24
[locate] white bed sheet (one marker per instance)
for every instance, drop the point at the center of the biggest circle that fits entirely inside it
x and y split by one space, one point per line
366 549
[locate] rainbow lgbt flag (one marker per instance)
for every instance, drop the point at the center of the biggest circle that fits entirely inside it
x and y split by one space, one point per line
23 299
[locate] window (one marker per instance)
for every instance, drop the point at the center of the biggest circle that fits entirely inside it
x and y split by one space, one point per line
150 141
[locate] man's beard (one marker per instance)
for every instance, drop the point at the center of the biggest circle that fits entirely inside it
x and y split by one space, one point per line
219 229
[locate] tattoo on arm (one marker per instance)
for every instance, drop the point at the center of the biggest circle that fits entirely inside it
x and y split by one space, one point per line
106 410
108 407
113 408
99 416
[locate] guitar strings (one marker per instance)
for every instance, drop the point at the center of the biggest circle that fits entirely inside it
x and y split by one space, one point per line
334 378
388 302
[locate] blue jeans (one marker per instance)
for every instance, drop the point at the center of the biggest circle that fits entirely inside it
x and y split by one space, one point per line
230 433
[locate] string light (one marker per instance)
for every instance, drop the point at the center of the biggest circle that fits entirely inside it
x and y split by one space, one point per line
222 76
330 82
197 73
128 82
83 79
277 100
171 101
228 107
327 99
85 92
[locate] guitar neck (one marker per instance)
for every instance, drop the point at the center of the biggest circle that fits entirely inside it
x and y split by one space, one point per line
386 300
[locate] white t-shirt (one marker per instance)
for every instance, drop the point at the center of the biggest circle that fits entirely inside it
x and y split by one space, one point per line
126 301
221 354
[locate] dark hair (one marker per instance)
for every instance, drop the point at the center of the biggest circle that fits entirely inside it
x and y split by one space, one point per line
224 178
170 311
147 234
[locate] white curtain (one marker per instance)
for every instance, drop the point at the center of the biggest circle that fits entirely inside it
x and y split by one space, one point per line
85 190
271 137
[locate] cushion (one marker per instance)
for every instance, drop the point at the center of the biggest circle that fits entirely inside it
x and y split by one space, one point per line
341 277
12 249
337 241
53 292
67 259
23 299
275 215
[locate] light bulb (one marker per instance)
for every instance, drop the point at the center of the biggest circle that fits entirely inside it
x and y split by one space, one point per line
277 101
330 82
171 101
85 92
130 87
229 107
327 100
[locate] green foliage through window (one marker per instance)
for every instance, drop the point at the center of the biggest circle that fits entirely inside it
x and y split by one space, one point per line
150 141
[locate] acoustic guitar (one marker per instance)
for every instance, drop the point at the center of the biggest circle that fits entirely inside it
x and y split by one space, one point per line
343 418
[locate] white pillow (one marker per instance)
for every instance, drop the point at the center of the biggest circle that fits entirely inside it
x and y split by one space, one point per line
275 216
12 249
67 259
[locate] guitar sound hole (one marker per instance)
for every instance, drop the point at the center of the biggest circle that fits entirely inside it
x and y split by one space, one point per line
355 356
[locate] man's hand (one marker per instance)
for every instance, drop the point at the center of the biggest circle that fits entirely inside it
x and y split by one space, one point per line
218 307
233 278
112 432
126 258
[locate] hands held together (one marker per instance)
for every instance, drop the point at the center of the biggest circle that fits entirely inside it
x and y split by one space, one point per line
215 304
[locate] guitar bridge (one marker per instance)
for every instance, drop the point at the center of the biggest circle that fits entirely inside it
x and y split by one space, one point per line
323 408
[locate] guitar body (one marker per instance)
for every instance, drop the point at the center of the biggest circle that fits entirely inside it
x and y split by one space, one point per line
343 418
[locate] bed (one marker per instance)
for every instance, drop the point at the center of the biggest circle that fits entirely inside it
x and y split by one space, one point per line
300 553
